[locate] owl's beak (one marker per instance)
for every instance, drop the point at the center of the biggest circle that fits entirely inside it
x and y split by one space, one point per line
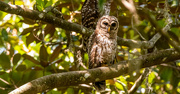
109 29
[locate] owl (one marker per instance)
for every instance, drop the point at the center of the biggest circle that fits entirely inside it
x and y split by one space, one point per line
102 45
90 15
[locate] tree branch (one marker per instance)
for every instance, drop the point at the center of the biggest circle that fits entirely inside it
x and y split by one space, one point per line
96 74
139 81
135 44
35 15
162 31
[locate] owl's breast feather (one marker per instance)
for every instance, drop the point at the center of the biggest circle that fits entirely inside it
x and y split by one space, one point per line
108 49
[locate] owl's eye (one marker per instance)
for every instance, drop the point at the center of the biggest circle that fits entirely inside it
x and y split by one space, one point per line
113 24
105 23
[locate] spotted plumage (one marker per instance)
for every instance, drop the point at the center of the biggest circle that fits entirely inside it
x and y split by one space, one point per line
90 15
102 45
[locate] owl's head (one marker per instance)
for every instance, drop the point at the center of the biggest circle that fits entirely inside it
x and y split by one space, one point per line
108 25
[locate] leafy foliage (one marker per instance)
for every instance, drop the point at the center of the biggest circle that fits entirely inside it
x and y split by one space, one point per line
32 49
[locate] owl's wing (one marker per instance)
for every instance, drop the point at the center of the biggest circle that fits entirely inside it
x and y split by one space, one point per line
90 13
94 51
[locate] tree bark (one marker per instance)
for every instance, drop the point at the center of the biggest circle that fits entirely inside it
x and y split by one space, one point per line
97 74
36 15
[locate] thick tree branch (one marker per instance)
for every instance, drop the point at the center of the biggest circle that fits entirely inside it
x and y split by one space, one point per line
97 74
35 15
135 44
87 76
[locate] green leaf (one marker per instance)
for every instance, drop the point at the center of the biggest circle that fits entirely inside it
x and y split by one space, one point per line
70 91
151 77
55 53
40 8
43 55
39 2
40 5
27 30
30 58
31 75
175 3
45 2
176 31
65 11
29 39
161 23
4 34
166 74
174 80
173 35
5 83
1 42
28 21
49 3
21 68
16 76
49 29
14 40
4 61
119 86
16 58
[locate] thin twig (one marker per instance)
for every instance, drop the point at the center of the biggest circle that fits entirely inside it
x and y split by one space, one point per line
131 7
139 81
124 86
167 65
135 29
169 38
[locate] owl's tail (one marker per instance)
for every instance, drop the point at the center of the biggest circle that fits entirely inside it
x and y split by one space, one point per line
100 86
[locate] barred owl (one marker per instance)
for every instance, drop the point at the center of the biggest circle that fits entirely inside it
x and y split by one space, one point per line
90 15
102 45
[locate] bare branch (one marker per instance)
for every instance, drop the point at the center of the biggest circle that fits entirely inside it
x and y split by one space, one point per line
131 7
96 74
139 81
135 44
161 30
32 14
35 15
